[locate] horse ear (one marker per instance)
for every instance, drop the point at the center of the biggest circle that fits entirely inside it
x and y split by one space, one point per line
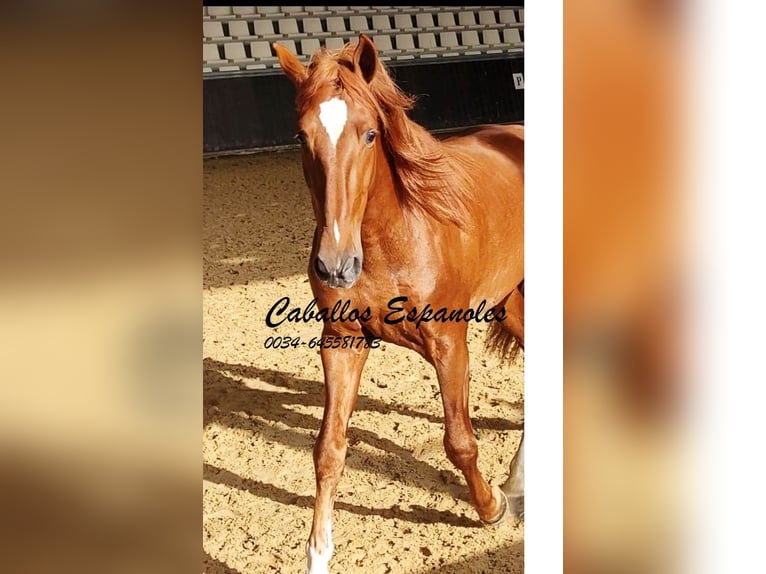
366 58
290 64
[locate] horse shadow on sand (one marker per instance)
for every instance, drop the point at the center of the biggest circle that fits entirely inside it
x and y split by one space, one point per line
225 395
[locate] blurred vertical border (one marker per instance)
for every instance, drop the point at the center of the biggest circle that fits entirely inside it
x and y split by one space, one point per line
100 282
626 270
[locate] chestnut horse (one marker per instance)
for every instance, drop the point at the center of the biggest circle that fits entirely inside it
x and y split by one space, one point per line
401 214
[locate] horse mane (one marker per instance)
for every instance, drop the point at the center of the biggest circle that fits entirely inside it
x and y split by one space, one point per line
429 176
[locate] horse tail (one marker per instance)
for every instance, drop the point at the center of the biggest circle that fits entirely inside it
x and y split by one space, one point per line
503 338
502 342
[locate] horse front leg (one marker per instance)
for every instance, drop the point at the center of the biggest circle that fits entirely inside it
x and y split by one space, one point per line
342 371
449 354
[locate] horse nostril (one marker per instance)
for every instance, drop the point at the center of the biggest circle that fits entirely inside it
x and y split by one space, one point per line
346 267
351 268
357 266
321 269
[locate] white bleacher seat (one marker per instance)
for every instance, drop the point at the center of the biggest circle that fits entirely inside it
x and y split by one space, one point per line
424 20
315 8
268 9
449 41
334 43
491 37
309 46
207 70
383 43
487 17
427 42
381 22
406 44
358 23
288 26
229 68
403 21
467 19
243 10
238 29
312 25
218 11
212 29
511 36
492 42
235 51
291 9
507 16
263 27
204 13
446 19
470 41
211 55
470 38
261 51
336 24
521 15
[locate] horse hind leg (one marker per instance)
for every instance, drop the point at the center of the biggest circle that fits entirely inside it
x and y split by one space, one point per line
507 338
513 488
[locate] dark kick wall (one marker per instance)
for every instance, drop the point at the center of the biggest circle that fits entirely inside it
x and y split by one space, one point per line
258 111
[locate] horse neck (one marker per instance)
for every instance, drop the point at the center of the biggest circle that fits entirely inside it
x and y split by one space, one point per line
384 214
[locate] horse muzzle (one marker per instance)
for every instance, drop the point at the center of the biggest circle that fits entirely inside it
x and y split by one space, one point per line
341 273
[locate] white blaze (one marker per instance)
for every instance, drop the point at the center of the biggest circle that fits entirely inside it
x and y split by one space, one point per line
333 114
318 562
336 231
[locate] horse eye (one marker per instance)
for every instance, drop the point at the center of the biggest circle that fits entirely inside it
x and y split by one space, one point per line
369 137
300 137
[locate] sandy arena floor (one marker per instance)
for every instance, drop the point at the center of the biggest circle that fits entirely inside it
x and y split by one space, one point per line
401 507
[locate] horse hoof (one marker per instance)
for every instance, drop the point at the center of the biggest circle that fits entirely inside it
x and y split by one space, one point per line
515 499
503 501
516 504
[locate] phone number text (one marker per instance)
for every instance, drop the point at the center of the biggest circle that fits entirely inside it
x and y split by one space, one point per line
324 342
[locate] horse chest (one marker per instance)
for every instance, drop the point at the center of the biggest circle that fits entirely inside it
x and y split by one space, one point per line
389 309
402 334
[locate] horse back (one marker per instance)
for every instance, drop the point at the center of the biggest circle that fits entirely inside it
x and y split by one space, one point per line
493 156
506 139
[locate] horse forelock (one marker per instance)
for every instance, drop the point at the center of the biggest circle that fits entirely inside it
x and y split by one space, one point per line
428 176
